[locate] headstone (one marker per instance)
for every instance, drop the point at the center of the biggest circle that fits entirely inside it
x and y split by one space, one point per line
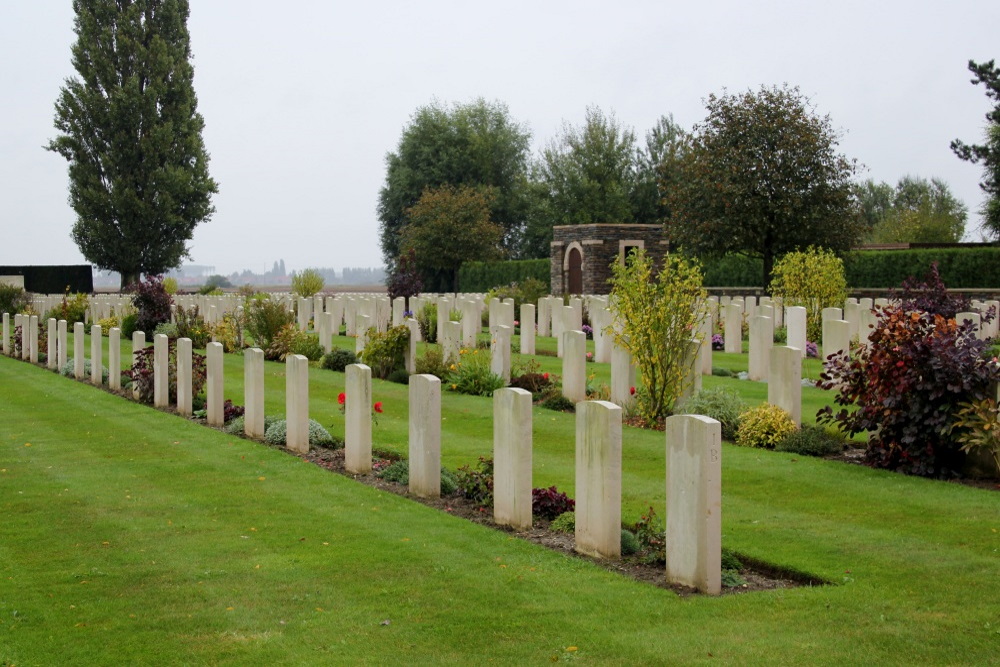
544 316
761 341
78 347
25 337
326 331
974 318
691 384
425 436
852 315
96 361
835 337
527 328
574 366
6 334
451 335
358 419
214 399
443 313
184 381
558 326
33 338
253 392
297 403
500 337
706 325
52 343
784 387
410 354
795 325
598 479
694 502
733 328
621 375
512 458
362 324
471 323
161 371
600 319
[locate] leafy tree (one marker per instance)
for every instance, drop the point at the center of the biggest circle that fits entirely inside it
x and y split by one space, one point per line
476 144
761 177
988 153
657 170
307 283
405 280
813 279
655 316
916 211
449 225
130 129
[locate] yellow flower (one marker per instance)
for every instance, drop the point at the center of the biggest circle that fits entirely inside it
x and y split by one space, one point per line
452 367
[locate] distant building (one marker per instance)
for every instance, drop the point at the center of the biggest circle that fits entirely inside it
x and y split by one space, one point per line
582 254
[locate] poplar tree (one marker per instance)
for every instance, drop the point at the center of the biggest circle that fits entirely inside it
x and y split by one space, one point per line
130 129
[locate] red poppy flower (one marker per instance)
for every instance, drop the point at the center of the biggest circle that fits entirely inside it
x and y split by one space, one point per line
378 407
545 376
631 391
341 397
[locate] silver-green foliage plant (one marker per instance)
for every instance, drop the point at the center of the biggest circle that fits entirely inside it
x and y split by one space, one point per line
277 433
69 368
723 405
814 279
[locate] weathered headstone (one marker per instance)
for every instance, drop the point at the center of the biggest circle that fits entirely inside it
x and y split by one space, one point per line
694 502
358 419
733 328
161 371
184 380
297 403
215 377
598 479
51 343
795 325
544 316
253 392
621 375
96 361
410 354
691 383
500 337
362 323
425 436
451 338
761 341
78 347
574 366
835 337
6 334
33 338
527 328
784 387
512 458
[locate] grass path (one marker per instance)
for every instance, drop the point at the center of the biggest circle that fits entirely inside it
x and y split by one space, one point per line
131 536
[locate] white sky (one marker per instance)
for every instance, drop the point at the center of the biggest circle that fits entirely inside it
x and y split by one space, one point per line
302 101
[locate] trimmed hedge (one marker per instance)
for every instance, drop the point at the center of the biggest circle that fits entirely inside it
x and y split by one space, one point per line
960 268
54 279
484 276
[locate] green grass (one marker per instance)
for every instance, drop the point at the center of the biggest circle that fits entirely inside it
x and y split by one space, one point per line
131 536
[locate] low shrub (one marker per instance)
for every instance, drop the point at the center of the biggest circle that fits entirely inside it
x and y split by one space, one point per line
14 299
652 536
559 403
399 376
427 321
385 351
564 523
107 324
476 483
550 503
291 340
977 428
432 363
277 433
129 325
399 472
231 411
264 319
529 376
724 405
151 301
168 329
338 359
810 441
72 309
69 367
629 543
141 373
192 325
764 426
472 374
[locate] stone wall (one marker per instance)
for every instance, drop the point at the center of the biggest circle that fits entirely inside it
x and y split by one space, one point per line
598 246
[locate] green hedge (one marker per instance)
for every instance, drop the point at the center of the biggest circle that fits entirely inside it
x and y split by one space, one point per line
484 276
960 268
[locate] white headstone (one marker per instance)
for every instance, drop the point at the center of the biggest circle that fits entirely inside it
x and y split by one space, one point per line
761 341
527 328
358 419
297 403
215 378
253 392
784 387
574 366
512 458
598 479
184 380
96 361
500 337
425 436
161 371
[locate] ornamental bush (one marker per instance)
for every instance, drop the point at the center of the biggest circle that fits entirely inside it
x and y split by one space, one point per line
338 359
811 441
550 503
655 317
385 352
264 319
13 299
427 321
813 279
907 385
723 405
308 283
151 301
471 374
764 426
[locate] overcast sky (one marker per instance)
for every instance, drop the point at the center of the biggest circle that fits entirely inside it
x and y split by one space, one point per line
302 101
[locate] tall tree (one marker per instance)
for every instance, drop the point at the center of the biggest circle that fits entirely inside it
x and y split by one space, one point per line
475 144
989 152
656 170
762 177
917 210
131 131
450 225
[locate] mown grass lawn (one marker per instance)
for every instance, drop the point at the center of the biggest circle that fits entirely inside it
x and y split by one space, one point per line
132 536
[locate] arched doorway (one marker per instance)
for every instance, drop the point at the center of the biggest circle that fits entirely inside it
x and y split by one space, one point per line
574 271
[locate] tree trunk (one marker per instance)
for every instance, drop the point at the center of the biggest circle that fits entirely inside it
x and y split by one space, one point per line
129 278
768 258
